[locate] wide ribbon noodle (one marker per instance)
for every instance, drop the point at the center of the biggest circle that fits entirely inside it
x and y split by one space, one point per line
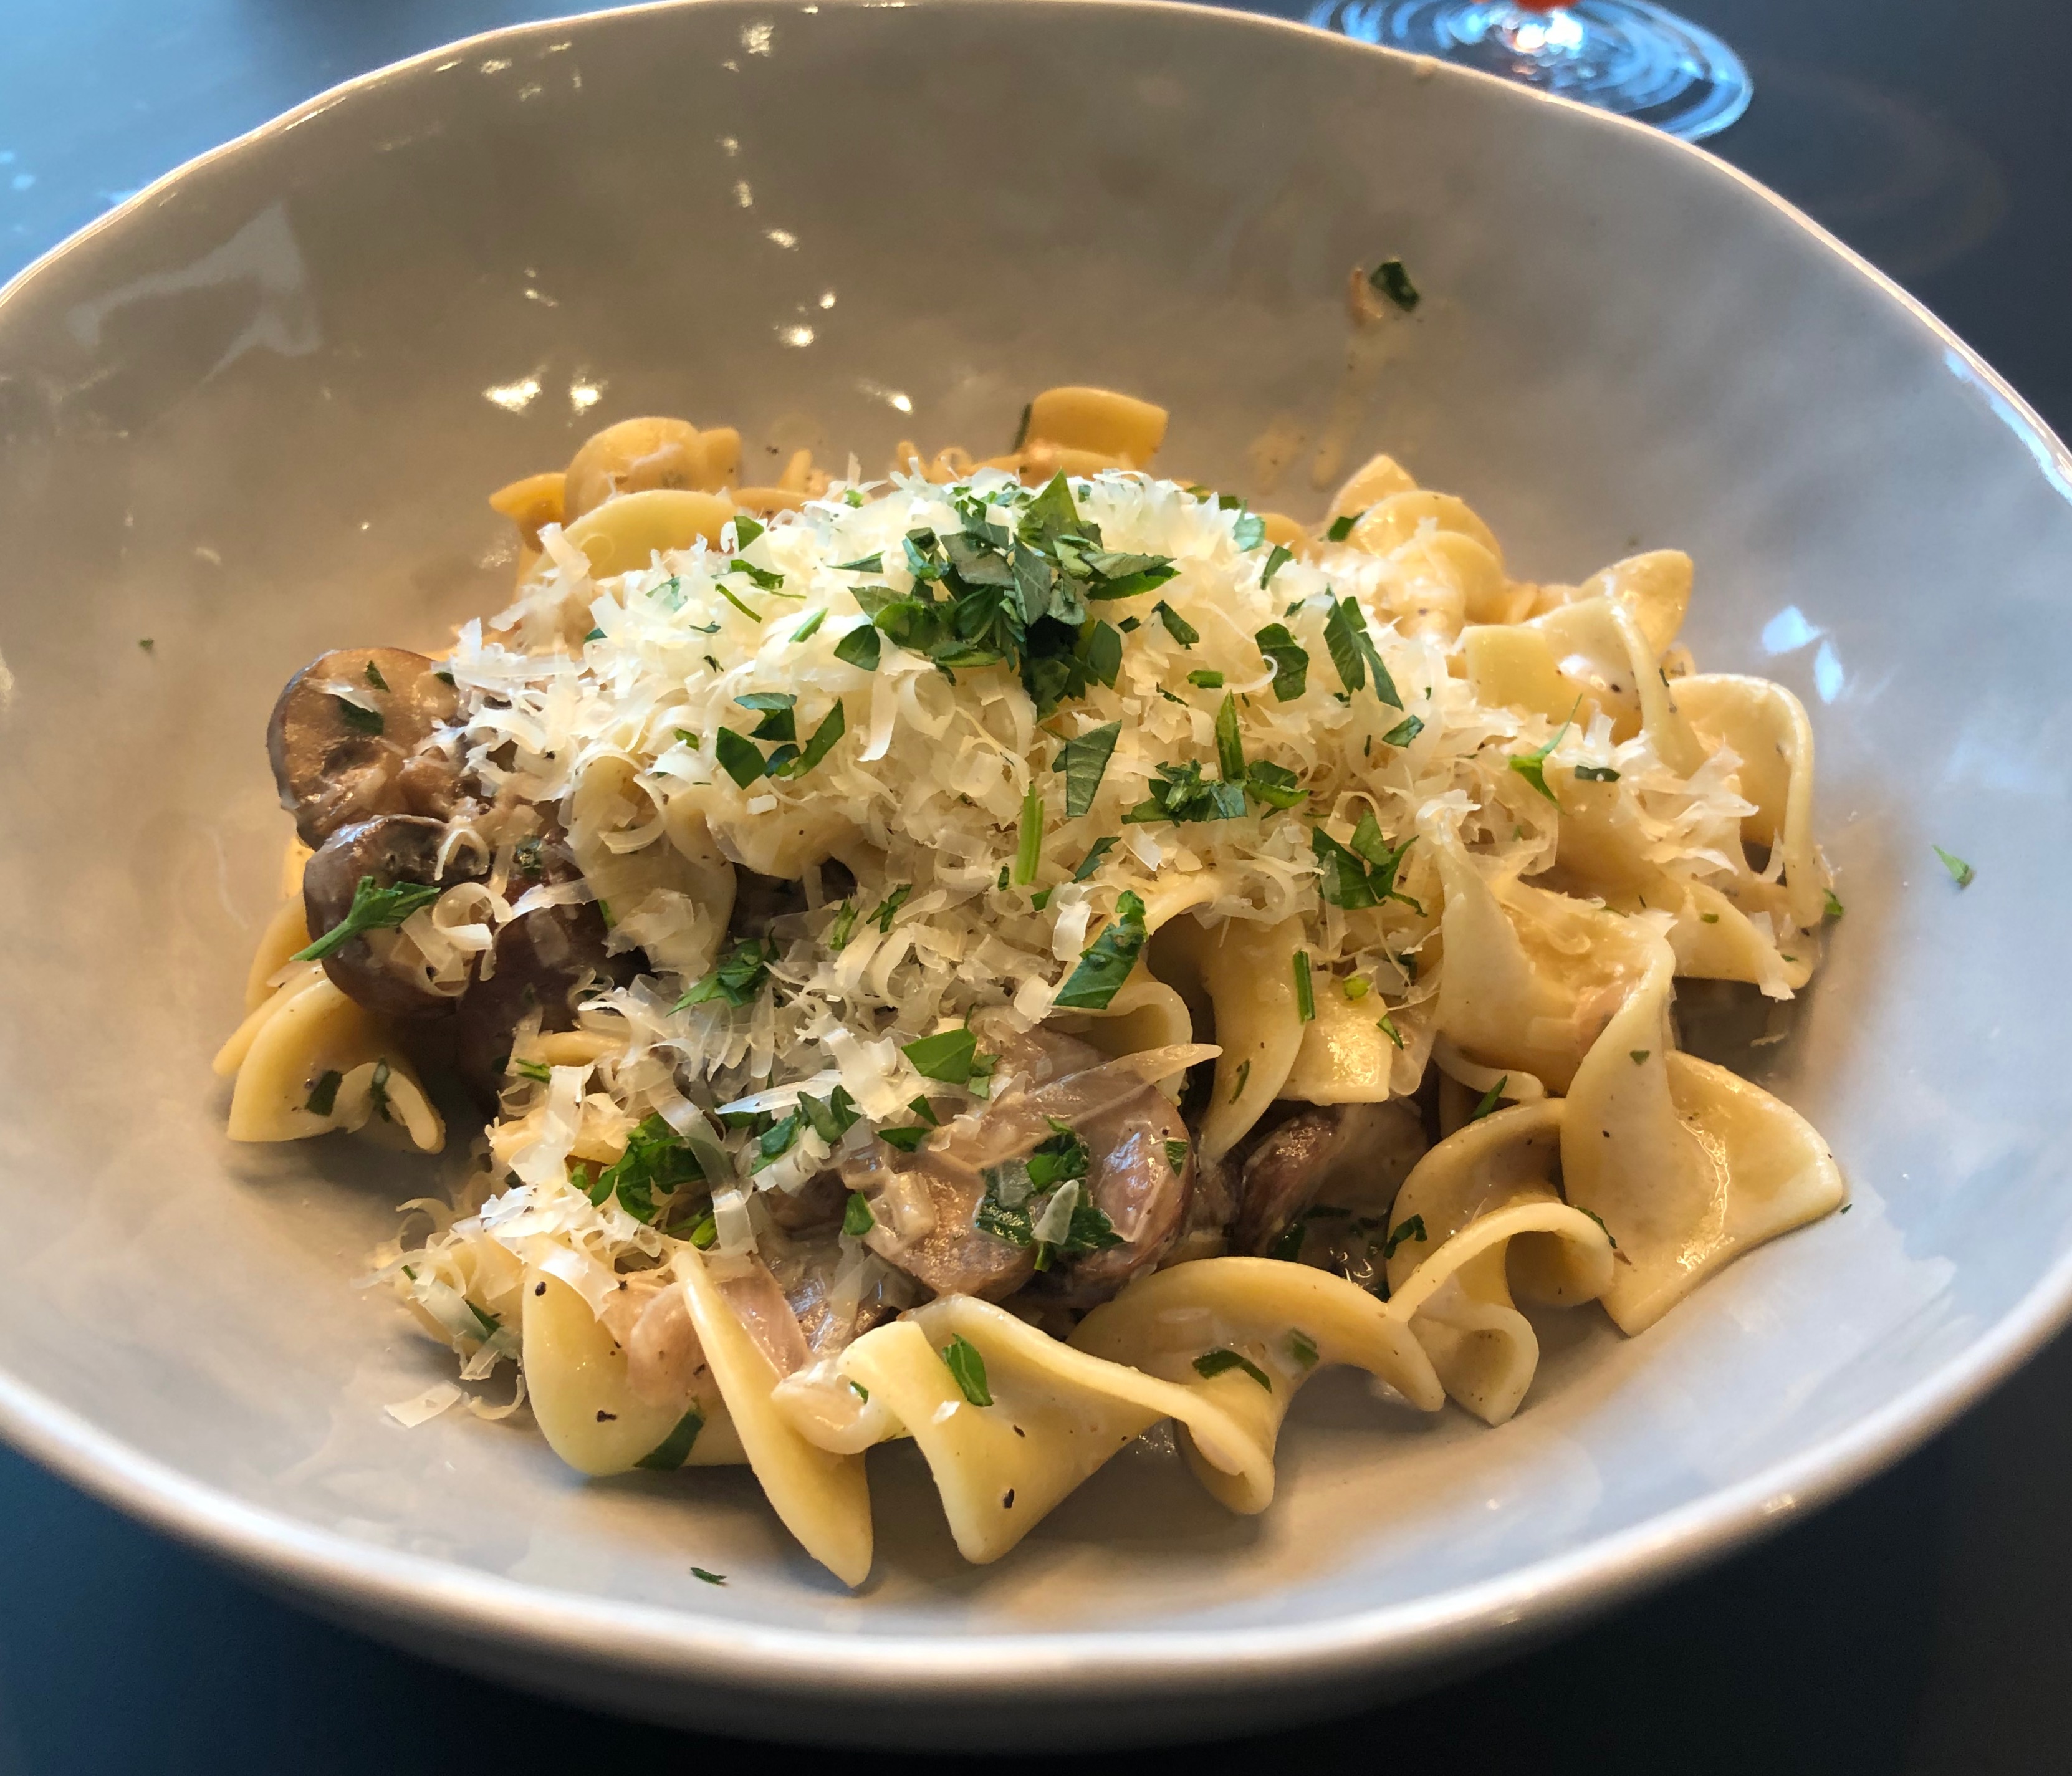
1022 952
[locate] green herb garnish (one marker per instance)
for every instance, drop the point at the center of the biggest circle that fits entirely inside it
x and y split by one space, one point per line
672 1452
857 1219
1105 962
1305 991
1960 872
738 980
1489 1099
1084 761
374 908
947 1055
967 1366
1176 626
1412 1229
1211 1364
1393 281
1290 659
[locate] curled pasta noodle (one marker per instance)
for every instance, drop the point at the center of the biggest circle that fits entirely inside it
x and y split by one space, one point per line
1686 1165
1481 1220
1243 1334
964 960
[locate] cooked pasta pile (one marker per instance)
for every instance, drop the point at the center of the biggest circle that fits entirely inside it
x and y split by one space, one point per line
1011 953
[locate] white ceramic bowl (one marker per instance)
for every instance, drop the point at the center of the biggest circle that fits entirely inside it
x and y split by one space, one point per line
253 413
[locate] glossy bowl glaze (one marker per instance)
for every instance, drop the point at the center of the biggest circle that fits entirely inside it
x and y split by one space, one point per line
253 413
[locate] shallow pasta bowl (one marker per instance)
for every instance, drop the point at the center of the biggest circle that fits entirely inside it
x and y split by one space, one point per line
253 413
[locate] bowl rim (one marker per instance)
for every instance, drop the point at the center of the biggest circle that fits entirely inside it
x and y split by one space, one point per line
372 1583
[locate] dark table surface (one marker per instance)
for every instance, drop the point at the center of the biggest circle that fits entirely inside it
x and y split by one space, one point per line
1920 1626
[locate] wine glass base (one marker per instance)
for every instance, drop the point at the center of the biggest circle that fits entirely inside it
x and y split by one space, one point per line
1624 56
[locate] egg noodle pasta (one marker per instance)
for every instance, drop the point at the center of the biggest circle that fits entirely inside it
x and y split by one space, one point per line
1017 953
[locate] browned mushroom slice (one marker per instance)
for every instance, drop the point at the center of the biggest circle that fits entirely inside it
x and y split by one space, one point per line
543 960
1135 1178
374 970
953 1256
1137 1186
1354 1154
344 730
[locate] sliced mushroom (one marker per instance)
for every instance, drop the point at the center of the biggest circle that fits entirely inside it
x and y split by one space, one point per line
1126 1123
1352 1156
344 729
665 1364
374 970
543 960
817 1203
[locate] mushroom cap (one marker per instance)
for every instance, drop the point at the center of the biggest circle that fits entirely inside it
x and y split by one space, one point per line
344 728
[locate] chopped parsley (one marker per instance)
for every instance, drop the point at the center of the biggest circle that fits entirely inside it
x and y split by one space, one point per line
738 980
817 748
359 720
859 648
1489 1101
843 927
656 1159
1533 765
1091 860
1596 773
1180 793
857 1219
830 1117
1243 1076
1606 1231
1353 652
1834 907
1412 1229
946 1056
1639 1054
872 563
1357 986
1230 743
1393 281
673 1452
966 1364
1212 1363
1303 1348
374 676
1305 991
535 1070
1176 1155
1028 846
1290 659
1387 1025
323 1095
710 1578
810 627
1342 526
1362 873
1084 761
1105 962
739 757
1960 872
1176 626
1403 731
883 913
1203 679
1279 559
374 908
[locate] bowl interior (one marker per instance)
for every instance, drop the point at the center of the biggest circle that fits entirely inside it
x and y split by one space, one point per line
255 415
